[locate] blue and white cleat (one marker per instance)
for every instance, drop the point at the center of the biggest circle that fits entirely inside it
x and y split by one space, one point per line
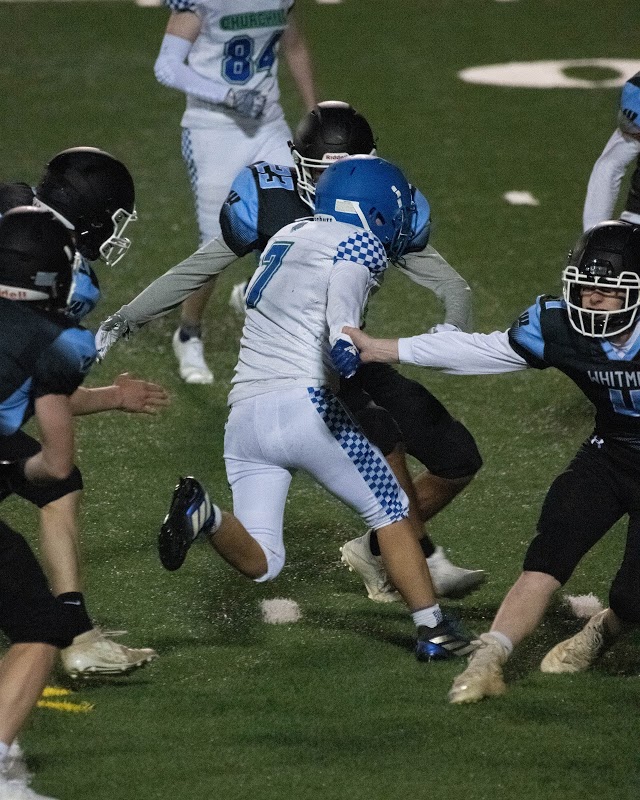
190 515
442 642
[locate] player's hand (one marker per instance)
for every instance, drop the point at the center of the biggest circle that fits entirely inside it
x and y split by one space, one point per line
140 397
110 331
247 102
345 356
442 327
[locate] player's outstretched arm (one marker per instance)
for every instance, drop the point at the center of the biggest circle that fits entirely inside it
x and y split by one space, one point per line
371 349
126 394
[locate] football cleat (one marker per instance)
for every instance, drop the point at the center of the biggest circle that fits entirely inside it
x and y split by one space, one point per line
452 581
483 675
357 555
579 652
93 655
190 354
442 642
190 515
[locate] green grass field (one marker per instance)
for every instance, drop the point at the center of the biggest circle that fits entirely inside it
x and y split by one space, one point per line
334 706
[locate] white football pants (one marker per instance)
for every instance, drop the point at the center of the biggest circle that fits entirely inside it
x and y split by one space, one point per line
270 436
215 156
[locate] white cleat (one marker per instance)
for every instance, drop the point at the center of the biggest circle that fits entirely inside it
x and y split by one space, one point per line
190 355
483 675
92 655
236 298
11 789
449 580
357 555
579 652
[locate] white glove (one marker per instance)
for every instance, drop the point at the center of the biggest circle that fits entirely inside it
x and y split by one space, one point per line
110 331
248 102
441 327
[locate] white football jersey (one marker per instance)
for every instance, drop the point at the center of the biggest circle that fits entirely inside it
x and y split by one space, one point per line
314 277
237 45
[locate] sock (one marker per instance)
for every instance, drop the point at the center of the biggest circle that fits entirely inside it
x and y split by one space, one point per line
4 750
427 546
74 603
430 616
214 525
373 543
505 641
189 331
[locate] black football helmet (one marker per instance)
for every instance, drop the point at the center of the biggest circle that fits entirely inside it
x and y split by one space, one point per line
92 192
330 131
606 256
14 194
38 258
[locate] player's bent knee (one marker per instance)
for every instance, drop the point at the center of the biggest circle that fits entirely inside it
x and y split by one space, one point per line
275 563
380 428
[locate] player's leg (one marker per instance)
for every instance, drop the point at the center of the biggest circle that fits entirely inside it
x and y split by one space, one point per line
433 437
580 507
579 652
330 448
213 157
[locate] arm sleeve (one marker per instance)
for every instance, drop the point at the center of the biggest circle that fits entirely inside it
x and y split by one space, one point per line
429 269
170 70
347 293
462 353
606 177
170 289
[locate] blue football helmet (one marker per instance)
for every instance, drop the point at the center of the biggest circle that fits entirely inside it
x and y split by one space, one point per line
629 117
373 194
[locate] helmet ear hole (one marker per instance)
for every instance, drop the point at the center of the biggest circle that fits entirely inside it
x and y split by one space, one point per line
37 258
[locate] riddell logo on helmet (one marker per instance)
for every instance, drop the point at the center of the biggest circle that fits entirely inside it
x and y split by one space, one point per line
9 293
334 156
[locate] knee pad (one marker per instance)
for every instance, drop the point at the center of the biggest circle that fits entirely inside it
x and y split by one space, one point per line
446 449
42 495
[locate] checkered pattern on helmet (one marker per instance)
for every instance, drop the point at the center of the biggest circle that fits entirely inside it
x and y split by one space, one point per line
363 248
373 468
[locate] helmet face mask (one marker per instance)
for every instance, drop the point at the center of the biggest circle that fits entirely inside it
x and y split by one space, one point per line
331 131
91 192
606 259
38 259
373 194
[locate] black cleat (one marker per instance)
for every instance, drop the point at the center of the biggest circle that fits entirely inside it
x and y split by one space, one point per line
190 514
443 641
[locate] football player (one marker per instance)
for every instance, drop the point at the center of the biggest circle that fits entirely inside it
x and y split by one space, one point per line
44 356
233 115
265 197
609 169
92 194
313 276
593 336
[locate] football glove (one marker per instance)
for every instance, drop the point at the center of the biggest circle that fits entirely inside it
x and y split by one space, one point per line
441 327
345 356
110 331
247 102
